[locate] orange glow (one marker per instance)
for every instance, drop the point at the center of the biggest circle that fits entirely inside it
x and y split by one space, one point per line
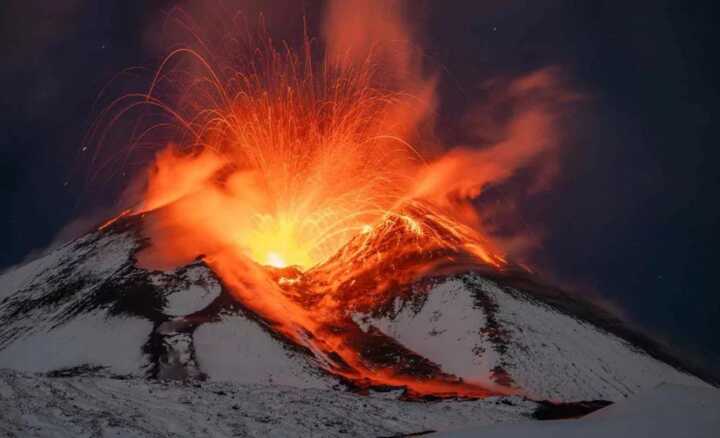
111 221
275 260
299 184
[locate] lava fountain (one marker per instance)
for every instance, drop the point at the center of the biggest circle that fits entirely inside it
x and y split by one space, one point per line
299 183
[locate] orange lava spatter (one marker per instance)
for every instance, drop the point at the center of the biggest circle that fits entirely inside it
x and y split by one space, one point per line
304 163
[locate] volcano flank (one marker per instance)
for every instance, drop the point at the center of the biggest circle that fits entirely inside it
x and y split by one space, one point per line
87 308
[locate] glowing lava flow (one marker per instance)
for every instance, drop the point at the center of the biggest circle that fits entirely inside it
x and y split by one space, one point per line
275 161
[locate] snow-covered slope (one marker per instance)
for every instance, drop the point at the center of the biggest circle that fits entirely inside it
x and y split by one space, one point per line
480 331
96 406
87 307
55 311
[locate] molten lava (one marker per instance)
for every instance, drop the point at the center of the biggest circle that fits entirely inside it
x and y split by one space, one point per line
298 183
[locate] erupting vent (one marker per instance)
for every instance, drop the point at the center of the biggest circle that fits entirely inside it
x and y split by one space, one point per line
300 184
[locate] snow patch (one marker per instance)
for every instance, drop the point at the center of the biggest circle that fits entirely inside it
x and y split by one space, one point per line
447 330
91 339
201 289
238 349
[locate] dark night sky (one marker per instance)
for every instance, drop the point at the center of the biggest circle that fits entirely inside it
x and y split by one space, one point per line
634 215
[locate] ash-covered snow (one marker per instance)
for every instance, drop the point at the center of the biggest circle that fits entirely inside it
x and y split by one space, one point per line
87 305
197 290
94 257
470 326
447 329
73 407
42 326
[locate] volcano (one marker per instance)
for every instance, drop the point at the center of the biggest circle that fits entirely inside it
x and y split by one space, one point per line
308 248
457 330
